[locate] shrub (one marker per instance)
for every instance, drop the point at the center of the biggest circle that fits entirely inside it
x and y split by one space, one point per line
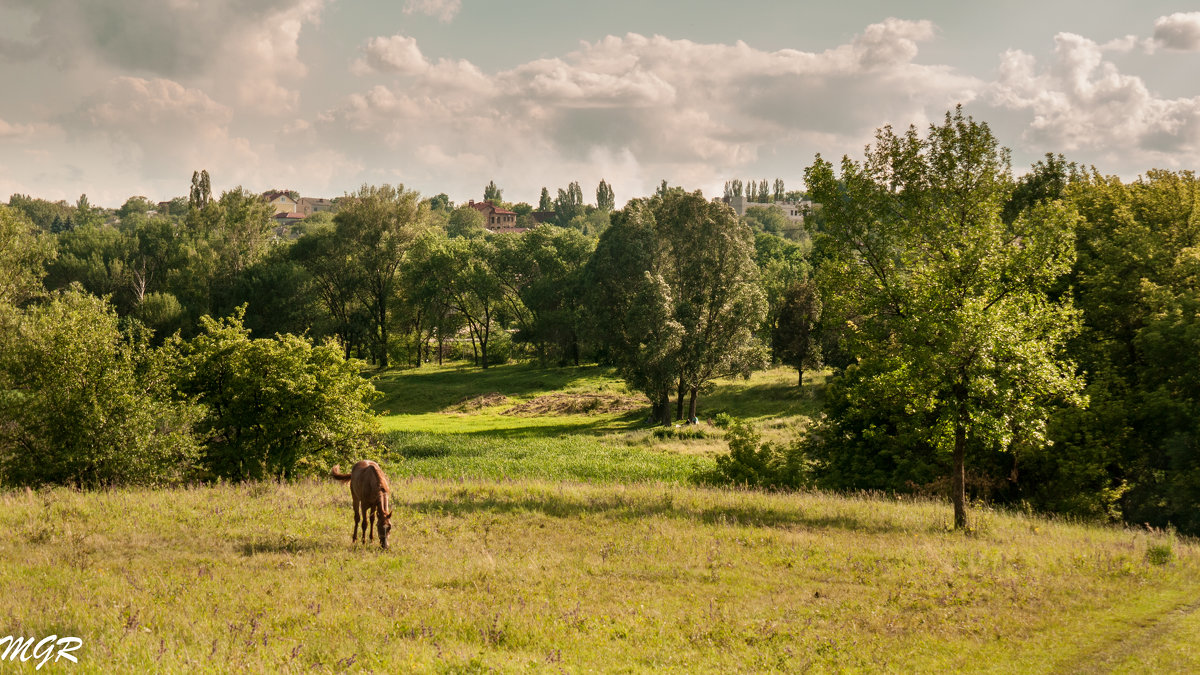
85 403
753 463
273 407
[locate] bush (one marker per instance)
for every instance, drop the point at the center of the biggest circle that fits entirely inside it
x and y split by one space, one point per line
85 403
273 407
500 347
752 463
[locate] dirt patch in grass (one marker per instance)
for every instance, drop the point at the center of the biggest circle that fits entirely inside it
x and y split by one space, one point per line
476 403
576 404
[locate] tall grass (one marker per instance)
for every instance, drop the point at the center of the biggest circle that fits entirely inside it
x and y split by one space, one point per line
515 576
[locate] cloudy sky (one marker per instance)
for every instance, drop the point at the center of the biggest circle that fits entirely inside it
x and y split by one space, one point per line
128 97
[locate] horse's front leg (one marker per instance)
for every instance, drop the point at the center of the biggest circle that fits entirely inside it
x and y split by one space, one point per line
371 531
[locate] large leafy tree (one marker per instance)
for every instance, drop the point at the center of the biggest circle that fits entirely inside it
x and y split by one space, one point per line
675 292
1135 452
632 307
948 303
378 224
84 402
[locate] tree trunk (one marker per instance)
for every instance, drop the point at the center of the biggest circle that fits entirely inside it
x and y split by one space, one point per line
958 492
664 405
383 337
679 400
692 404
801 370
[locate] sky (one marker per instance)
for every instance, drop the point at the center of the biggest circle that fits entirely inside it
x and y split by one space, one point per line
129 97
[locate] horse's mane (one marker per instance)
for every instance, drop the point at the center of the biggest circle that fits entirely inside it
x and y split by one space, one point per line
383 482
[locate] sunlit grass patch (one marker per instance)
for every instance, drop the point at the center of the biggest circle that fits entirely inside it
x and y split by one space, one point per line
548 574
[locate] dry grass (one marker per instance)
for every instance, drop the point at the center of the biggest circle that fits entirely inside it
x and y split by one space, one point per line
541 576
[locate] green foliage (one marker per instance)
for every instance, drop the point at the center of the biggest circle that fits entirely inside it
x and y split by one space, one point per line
1137 281
134 205
946 302
24 252
466 221
769 219
569 204
605 198
273 407
376 226
86 403
754 463
493 194
161 313
675 298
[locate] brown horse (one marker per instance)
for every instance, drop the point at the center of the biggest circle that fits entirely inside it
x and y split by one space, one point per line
369 489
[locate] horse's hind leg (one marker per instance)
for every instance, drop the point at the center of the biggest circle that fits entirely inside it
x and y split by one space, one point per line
354 534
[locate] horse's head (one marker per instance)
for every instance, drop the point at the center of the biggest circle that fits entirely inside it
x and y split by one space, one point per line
385 526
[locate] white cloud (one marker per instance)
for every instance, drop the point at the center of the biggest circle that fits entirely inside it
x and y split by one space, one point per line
1083 102
672 108
247 51
443 10
395 54
1179 31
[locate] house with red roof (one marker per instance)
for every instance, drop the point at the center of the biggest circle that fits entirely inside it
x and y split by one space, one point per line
495 219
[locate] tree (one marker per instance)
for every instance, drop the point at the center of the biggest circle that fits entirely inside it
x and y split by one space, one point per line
440 202
273 407
378 223
464 269
605 199
779 190
948 304
134 205
632 308
85 215
1135 452
24 252
675 298
568 204
337 280
794 336
713 279
544 202
466 221
86 403
201 193
492 194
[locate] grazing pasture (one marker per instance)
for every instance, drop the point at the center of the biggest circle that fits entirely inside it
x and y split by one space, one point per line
539 575
572 540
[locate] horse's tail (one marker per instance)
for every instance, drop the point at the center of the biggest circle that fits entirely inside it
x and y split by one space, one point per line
337 475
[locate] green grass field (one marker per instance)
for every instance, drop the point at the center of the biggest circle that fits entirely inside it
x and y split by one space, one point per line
548 575
540 525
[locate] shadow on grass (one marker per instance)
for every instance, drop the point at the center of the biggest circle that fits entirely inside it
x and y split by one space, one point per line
435 388
441 443
768 399
618 507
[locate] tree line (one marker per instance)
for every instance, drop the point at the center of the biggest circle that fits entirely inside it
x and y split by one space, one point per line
1022 339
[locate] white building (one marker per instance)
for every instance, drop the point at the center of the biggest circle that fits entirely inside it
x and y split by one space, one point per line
793 210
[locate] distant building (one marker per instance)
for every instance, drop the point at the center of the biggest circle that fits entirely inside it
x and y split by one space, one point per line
793 210
311 205
282 201
495 219
540 217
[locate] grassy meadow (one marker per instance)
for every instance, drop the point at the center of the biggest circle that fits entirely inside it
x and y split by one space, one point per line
540 525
